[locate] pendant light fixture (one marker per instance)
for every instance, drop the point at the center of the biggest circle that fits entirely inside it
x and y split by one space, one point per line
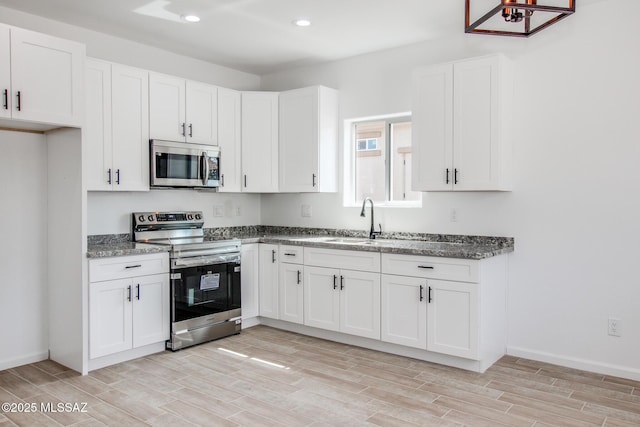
518 18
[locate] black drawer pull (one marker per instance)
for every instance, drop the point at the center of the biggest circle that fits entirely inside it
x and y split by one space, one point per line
134 266
289 254
426 267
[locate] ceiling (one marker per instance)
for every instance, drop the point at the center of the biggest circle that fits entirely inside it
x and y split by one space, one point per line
258 36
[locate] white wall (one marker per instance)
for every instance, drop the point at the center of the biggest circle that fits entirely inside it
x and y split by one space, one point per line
23 252
110 48
575 208
110 213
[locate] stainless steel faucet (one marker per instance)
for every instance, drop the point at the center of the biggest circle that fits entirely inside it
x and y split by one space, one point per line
372 232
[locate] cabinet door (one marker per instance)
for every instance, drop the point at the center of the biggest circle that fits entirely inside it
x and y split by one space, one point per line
476 154
110 317
5 72
268 293
360 303
150 309
322 298
259 142
249 281
452 318
299 118
48 74
130 123
432 129
202 113
291 292
96 132
167 106
404 311
229 141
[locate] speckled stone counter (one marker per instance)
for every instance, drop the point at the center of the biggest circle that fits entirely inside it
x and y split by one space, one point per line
110 245
440 245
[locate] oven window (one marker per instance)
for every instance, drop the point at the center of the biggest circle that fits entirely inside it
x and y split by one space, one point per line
177 166
202 291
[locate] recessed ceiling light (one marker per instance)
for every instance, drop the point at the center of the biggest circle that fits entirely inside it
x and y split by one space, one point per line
302 22
191 18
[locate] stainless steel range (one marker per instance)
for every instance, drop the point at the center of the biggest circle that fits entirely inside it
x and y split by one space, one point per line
205 276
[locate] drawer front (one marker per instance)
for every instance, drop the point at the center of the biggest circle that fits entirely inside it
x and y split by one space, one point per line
350 260
462 270
291 254
101 269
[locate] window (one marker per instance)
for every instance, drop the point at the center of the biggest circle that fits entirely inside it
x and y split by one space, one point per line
379 151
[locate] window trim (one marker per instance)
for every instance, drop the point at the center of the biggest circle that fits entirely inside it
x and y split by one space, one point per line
349 164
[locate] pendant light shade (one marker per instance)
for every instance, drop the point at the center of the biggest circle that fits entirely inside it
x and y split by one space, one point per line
516 18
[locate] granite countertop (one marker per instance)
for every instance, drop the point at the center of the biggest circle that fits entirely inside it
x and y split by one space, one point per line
440 245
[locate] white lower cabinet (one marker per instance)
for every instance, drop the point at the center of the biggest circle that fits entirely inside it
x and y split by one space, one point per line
291 293
127 311
249 281
404 311
268 283
342 300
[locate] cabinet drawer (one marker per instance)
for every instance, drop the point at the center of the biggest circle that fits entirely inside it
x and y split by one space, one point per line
463 270
291 254
127 266
350 260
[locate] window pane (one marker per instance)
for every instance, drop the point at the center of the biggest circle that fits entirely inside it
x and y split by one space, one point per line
372 144
362 144
370 163
401 163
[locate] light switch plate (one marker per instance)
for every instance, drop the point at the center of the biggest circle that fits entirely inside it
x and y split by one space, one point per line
306 211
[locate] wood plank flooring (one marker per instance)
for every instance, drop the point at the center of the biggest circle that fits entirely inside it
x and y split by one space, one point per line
268 377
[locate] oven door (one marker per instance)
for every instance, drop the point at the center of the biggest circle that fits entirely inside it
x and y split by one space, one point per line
178 164
204 294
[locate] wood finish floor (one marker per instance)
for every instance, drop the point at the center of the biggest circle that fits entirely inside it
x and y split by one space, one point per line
267 377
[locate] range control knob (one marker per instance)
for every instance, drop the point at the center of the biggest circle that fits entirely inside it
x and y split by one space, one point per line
141 218
150 217
198 217
189 217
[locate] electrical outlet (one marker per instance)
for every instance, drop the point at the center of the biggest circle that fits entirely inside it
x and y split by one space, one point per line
306 211
615 327
453 215
218 211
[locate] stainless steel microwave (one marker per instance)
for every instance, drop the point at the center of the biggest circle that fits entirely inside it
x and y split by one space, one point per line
181 164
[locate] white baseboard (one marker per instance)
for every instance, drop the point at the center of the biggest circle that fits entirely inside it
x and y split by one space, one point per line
24 360
576 363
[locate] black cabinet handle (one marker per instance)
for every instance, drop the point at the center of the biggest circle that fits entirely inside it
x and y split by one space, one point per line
191 130
341 282
222 180
289 254
138 291
5 99
421 289
335 278
109 179
129 289
430 299
118 176
299 280
134 266
184 129
273 256
313 180
426 267
455 176
19 106
245 181
447 175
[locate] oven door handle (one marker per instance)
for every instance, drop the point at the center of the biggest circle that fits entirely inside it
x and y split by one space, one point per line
205 260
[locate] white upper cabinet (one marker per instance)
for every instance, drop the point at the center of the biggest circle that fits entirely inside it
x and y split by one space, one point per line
229 128
259 142
460 126
182 110
116 130
41 78
309 140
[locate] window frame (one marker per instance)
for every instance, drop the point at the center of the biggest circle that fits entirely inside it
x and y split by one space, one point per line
349 169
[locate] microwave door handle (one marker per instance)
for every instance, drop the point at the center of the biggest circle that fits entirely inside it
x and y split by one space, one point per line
205 176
